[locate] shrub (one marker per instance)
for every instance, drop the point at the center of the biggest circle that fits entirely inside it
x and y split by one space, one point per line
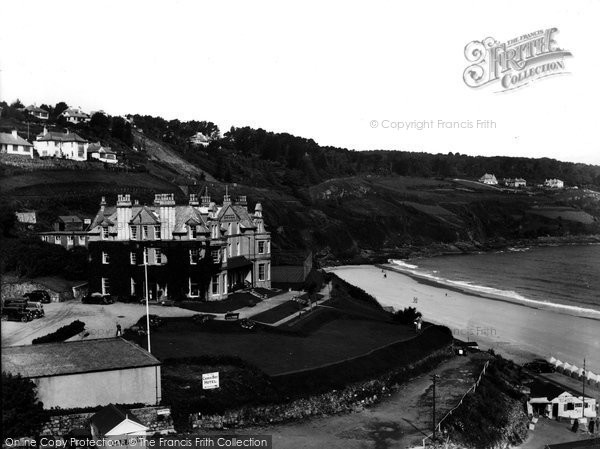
62 333
406 316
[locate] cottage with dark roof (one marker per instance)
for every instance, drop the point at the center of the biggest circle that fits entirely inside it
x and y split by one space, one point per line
103 154
87 373
12 143
199 250
66 145
36 112
550 400
75 116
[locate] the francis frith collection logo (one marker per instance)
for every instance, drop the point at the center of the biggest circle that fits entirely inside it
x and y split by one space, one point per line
514 63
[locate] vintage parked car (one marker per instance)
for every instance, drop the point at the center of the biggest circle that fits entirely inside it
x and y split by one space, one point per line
540 366
140 327
16 312
97 298
38 296
35 308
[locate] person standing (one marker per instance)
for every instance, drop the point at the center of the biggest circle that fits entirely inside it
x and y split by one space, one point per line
118 330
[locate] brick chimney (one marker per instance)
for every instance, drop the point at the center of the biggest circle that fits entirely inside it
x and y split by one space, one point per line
205 198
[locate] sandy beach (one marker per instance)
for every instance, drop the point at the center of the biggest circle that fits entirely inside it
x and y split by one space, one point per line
515 331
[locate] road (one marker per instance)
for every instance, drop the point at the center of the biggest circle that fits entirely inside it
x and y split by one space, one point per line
100 320
400 421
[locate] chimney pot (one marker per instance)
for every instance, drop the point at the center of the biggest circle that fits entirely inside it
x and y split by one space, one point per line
14 133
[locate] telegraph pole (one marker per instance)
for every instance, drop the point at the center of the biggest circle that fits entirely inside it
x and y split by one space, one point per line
583 392
434 377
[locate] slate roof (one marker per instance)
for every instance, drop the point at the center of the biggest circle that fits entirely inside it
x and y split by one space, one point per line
37 109
188 214
545 390
109 417
75 357
60 137
72 112
9 139
70 219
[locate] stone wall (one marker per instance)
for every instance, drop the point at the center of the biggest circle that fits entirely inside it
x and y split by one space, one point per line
59 425
11 289
352 398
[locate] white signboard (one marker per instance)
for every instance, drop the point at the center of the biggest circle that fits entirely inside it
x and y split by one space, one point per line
210 381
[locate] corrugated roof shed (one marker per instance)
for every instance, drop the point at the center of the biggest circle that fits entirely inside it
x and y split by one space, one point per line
55 359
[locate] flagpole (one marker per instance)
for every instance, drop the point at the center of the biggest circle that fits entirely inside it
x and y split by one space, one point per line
147 300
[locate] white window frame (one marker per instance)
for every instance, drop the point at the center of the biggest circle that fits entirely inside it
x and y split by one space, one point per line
158 256
70 240
105 286
264 269
133 232
145 256
197 295
157 232
238 248
82 240
57 240
132 286
105 232
132 258
144 232
216 255
214 283
105 258
262 246
192 251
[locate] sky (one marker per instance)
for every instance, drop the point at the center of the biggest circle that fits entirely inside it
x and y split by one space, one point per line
345 74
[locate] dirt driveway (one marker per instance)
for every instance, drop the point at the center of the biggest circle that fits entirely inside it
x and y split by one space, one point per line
100 320
401 421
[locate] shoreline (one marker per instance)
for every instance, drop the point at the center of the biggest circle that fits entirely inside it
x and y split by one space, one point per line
517 332
551 307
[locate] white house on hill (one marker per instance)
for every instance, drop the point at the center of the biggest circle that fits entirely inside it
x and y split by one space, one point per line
199 139
66 145
554 183
39 113
554 402
75 115
12 143
488 179
103 154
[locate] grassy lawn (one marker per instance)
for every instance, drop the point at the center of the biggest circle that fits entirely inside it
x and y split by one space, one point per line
234 302
277 313
275 351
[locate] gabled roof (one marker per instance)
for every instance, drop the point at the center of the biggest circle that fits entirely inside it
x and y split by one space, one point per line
33 108
55 136
75 357
70 219
188 215
545 390
96 147
72 112
10 139
110 416
145 215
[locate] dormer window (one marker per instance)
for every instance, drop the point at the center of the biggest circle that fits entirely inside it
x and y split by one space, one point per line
194 231
104 232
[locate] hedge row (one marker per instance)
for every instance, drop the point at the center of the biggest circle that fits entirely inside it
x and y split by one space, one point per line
61 334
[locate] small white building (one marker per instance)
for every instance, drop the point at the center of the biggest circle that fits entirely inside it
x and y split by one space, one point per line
114 421
554 402
66 145
199 139
554 183
75 116
38 113
12 143
516 182
103 154
488 179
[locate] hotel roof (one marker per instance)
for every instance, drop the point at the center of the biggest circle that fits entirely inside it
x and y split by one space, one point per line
76 357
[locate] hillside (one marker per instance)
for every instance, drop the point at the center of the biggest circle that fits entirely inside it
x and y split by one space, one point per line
344 205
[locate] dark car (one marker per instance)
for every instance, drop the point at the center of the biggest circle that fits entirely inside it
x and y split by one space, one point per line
16 312
38 296
97 298
540 366
167 303
141 326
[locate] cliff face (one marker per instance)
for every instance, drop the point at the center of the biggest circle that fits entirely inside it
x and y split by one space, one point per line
368 219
